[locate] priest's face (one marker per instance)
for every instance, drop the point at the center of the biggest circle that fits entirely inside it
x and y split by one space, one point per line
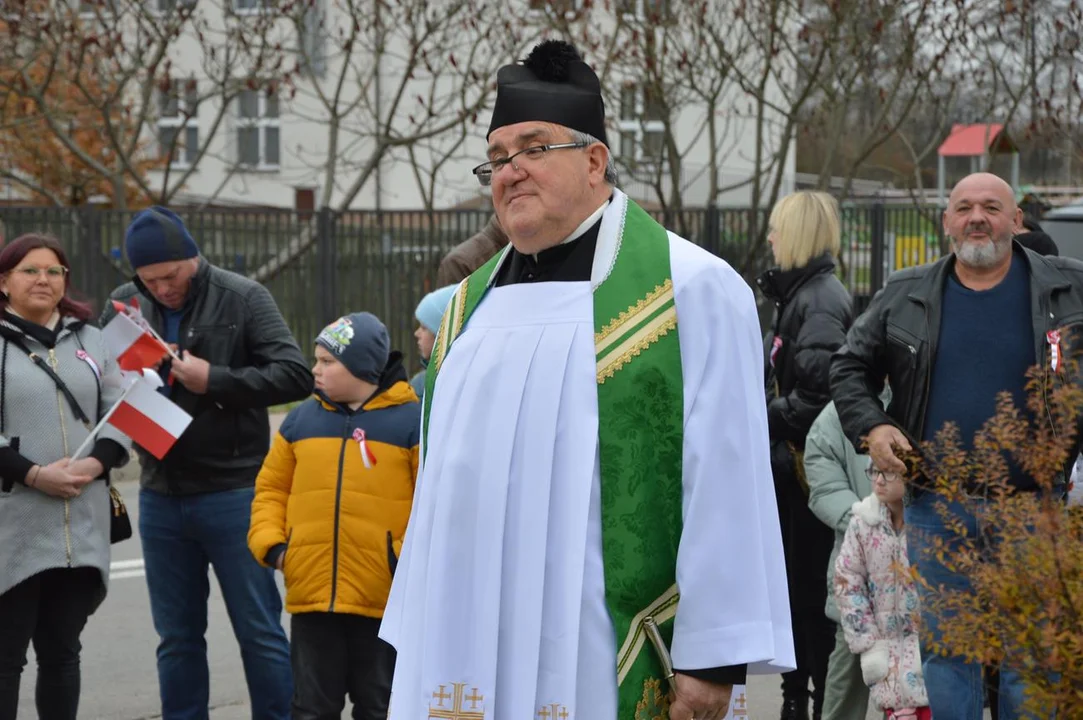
541 200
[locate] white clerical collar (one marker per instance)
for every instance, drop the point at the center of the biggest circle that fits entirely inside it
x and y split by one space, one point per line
584 226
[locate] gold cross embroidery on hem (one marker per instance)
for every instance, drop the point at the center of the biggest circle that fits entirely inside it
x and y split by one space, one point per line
458 697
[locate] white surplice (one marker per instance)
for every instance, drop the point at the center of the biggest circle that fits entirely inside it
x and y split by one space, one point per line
498 610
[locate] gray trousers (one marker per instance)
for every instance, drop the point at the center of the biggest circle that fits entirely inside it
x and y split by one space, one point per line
846 696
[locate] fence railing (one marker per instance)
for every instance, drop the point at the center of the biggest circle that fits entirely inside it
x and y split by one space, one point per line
319 265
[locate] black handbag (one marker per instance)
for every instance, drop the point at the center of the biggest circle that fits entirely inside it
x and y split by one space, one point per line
120 524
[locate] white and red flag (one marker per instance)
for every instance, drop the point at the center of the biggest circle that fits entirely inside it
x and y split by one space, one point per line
130 338
149 418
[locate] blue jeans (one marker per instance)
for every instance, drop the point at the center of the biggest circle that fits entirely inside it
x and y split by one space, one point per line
181 536
954 684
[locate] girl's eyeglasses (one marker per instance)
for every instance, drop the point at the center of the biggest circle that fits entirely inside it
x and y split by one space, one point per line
872 473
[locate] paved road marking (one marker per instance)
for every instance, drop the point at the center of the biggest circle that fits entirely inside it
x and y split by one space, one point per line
124 569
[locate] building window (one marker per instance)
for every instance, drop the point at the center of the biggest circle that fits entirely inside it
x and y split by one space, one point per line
167 7
556 6
257 131
313 31
652 10
250 7
178 123
642 125
95 8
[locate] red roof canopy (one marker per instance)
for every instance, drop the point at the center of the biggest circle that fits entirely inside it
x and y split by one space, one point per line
976 140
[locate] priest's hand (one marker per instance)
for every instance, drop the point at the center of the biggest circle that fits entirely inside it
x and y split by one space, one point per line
192 372
699 699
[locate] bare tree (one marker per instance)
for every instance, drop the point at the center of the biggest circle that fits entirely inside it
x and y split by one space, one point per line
777 71
405 77
1057 99
889 59
124 62
391 79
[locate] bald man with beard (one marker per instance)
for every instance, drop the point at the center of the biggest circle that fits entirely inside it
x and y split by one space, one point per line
949 337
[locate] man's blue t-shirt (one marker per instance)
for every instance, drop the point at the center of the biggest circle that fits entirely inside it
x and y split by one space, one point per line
171 320
986 346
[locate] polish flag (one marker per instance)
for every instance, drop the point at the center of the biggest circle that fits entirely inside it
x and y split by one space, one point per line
134 345
149 418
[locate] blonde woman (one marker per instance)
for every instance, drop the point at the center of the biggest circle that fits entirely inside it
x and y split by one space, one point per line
813 311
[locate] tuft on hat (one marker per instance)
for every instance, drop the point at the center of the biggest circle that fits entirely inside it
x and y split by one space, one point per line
553 84
158 235
430 311
360 342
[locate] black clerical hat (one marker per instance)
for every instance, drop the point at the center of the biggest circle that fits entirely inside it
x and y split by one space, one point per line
552 85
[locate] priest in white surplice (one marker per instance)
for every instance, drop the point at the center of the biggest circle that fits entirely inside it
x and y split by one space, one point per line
595 452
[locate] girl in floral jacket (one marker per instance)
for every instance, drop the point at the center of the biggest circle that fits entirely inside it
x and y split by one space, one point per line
878 602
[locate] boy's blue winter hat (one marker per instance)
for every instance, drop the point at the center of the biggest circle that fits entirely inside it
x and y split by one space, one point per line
360 342
430 311
158 235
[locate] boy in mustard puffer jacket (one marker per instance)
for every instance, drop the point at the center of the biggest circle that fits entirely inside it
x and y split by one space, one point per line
331 506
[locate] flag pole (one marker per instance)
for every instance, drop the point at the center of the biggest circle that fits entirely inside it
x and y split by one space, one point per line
105 418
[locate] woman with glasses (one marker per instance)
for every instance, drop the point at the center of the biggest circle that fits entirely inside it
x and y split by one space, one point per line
878 601
813 311
56 380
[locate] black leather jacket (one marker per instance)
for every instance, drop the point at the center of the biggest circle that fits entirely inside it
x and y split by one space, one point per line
896 338
813 311
234 324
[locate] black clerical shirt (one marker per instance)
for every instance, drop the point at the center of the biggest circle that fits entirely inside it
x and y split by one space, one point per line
572 262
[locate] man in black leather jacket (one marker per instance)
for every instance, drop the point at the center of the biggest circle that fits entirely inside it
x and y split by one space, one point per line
949 336
236 358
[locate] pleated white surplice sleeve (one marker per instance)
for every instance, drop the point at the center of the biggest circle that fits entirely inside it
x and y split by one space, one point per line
734 605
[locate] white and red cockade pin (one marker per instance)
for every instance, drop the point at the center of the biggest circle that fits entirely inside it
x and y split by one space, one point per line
1053 338
366 454
776 345
85 357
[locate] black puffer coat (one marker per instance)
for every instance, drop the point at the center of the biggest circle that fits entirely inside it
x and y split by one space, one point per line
813 311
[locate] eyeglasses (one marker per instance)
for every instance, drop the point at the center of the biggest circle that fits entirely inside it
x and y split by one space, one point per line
872 472
56 272
527 157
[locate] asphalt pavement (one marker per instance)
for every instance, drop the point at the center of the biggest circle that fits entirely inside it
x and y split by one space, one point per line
120 679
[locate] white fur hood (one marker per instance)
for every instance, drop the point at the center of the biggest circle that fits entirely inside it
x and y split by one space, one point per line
871 510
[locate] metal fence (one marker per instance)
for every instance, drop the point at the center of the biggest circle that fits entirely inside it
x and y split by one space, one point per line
319 265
